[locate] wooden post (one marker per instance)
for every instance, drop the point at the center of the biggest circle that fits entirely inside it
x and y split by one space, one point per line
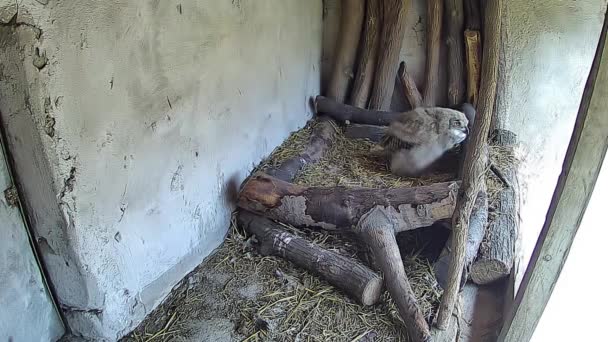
433 45
472 39
346 51
410 89
575 185
475 160
454 14
368 54
393 29
377 230
342 112
347 274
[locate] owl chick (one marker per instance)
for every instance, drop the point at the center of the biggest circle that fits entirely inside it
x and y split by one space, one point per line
421 136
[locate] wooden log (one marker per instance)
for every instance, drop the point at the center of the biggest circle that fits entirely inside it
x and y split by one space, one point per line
475 234
454 14
497 254
347 274
473 54
368 53
433 46
475 162
393 29
321 139
340 208
369 132
410 89
342 113
472 39
377 229
348 39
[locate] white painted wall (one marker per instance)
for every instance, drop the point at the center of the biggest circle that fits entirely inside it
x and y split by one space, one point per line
130 139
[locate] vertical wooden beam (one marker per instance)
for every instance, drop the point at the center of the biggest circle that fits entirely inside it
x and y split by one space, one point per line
574 188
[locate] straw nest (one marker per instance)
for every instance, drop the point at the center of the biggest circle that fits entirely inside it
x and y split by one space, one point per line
286 303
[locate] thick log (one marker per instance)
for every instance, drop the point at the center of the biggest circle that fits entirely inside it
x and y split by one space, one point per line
475 234
368 53
472 12
350 30
347 274
454 14
473 54
433 45
410 90
377 229
475 160
321 139
497 254
369 132
393 29
342 112
340 208
472 39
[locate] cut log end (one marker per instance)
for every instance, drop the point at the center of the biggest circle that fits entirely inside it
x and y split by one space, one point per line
488 271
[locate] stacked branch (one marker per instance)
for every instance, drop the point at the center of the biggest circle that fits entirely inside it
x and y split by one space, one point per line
475 161
433 43
497 254
472 39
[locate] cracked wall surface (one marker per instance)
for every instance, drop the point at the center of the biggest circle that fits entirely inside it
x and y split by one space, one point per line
130 122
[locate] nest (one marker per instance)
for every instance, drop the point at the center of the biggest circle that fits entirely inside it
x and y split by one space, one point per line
250 297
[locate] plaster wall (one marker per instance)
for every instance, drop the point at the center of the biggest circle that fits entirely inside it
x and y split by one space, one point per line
132 122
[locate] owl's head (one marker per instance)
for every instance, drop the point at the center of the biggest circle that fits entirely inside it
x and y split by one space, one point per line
458 126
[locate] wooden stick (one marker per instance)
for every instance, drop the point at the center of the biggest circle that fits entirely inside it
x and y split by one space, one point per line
433 44
410 89
321 139
454 13
366 65
369 132
340 208
343 113
393 29
475 162
346 51
347 274
472 39
476 233
497 255
473 53
377 229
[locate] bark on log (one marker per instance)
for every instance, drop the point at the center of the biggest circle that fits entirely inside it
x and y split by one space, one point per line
475 234
475 163
369 132
342 112
472 14
393 29
347 274
472 38
410 89
433 45
454 10
473 55
346 51
377 229
368 53
321 139
339 208
497 254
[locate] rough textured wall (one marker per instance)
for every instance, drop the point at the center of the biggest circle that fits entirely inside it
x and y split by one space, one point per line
130 120
548 47
547 50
